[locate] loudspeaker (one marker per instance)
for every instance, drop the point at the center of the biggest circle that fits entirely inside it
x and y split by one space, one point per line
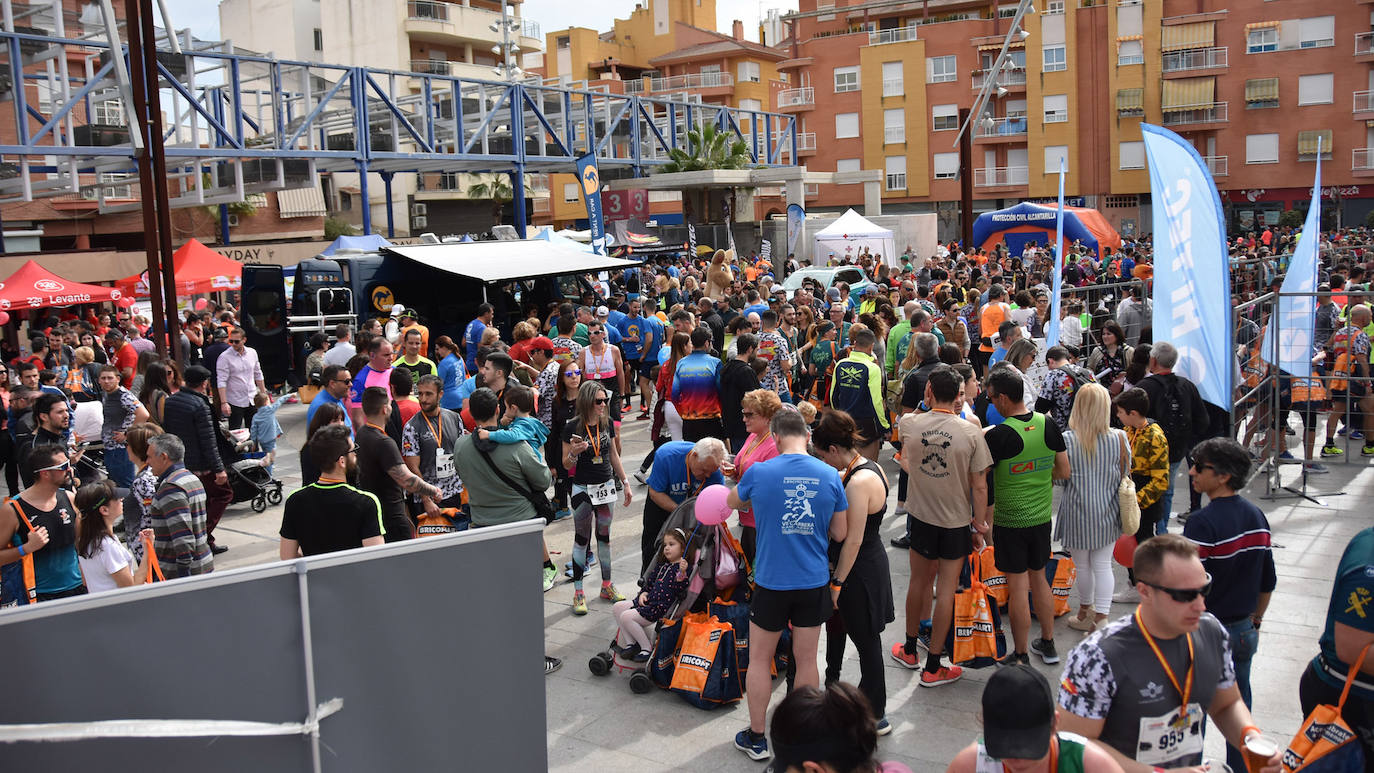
264 320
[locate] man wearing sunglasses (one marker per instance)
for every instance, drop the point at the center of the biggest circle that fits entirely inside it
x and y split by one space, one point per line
1141 685
239 378
38 530
336 383
330 515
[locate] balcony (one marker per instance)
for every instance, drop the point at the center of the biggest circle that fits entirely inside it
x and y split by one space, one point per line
1013 78
450 23
1001 129
1217 165
431 66
1362 160
797 99
893 87
1196 114
894 135
1364 46
896 35
1194 59
1364 104
699 81
1001 176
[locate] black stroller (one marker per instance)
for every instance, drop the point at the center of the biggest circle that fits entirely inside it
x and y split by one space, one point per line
249 480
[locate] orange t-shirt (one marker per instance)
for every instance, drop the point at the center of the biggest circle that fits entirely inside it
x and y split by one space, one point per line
992 317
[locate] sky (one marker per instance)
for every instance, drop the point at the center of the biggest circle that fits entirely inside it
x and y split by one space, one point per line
202 16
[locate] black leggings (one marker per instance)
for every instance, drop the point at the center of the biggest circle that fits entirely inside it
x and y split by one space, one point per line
872 679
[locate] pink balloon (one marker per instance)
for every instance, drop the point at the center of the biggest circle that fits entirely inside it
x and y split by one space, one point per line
201 304
711 508
4 317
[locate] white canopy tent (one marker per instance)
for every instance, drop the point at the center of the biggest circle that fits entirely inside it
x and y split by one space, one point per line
849 235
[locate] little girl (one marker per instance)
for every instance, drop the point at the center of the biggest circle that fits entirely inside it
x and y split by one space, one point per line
637 618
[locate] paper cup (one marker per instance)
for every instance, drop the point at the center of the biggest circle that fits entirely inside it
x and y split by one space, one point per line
1259 750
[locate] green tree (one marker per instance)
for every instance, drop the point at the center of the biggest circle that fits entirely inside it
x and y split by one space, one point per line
496 188
707 148
1292 218
335 227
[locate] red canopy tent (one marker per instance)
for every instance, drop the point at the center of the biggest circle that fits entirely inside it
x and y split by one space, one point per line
198 268
35 287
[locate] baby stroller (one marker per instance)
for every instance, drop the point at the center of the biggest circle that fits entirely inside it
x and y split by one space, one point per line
249 480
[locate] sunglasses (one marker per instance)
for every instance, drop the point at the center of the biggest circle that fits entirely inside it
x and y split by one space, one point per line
572 373
602 400
63 467
1184 595
355 449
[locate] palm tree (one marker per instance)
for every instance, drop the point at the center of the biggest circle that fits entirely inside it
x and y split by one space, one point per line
707 148
497 188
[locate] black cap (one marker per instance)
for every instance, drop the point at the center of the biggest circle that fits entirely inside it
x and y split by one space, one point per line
1018 714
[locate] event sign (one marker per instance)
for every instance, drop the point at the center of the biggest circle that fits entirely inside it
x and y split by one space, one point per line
1052 331
590 179
796 216
1190 264
1297 316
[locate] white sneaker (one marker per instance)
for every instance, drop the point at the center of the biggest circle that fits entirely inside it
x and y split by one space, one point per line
899 511
1127 595
640 478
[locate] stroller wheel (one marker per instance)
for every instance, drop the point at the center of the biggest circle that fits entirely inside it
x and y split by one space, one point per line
274 496
259 503
599 664
640 682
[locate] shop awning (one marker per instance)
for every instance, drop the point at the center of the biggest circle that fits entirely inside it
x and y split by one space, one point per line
1260 25
1125 38
301 202
1176 37
1262 90
1188 93
35 287
496 262
998 46
1128 100
1308 141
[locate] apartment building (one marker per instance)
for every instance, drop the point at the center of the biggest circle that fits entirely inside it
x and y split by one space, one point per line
1254 85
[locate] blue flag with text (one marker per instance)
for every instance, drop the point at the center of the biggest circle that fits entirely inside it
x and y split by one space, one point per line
590 180
1297 316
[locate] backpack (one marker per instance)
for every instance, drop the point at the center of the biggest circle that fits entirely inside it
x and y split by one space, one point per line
1081 376
1172 417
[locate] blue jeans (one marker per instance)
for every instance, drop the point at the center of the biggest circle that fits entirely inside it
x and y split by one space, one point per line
1162 525
1244 642
118 466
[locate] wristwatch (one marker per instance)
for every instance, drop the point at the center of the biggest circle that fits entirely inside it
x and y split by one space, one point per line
835 582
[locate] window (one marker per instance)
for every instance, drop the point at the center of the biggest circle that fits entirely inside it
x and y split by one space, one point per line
1318 32
946 117
1309 141
825 16
319 39
570 192
946 166
564 41
1056 108
894 126
748 72
942 69
1056 58
1261 148
1261 93
1130 20
1122 201
107 113
1054 6
1315 89
1130 52
1262 40
1130 103
1053 153
896 173
1131 155
750 104
848 165
893 85
846 79
846 125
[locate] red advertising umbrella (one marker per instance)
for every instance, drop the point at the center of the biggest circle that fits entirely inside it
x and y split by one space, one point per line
35 287
198 268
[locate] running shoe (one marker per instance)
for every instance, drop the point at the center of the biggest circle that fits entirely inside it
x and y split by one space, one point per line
643 416
1330 450
1288 430
1344 429
902 543
579 603
551 665
1015 658
550 574
1316 468
945 675
901 510
909 659
561 514
757 750
1367 451
884 727
641 478
1287 457
1356 435
568 567
609 593
1046 650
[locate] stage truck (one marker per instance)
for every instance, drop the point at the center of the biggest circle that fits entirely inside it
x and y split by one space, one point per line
444 283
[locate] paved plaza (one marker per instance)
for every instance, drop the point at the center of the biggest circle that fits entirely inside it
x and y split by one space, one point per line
597 724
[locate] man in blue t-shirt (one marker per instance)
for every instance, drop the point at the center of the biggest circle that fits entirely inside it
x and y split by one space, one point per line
799 506
680 470
472 335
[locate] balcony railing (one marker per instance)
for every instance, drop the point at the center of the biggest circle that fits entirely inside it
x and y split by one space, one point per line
806 141
1001 176
450 13
1364 101
1217 165
1013 77
1364 43
796 97
893 87
1362 160
894 135
700 80
1001 127
896 35
428 10
1195 59
1211 113
431 66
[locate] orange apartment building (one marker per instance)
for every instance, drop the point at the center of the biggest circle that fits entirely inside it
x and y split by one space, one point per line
1253 84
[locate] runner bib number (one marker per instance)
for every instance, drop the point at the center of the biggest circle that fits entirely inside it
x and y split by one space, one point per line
601 493
1165 741
443 466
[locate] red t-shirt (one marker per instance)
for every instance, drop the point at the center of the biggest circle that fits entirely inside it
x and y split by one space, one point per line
126 356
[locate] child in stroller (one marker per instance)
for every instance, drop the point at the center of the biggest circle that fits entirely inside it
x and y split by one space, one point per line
637 618
248 478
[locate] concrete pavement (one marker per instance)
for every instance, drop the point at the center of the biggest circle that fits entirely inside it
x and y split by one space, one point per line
596 723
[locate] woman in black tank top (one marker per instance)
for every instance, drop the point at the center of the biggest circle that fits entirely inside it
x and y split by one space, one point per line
860 581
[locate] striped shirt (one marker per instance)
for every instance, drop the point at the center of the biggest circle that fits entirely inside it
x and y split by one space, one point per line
1089 516
1232 537
179 521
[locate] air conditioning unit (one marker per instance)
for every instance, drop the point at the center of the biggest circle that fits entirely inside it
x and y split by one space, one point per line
419 210
419 222
233 221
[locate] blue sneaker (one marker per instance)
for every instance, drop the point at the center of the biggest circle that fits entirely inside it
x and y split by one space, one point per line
1356 435
568 567
757 750
884 727
1288 458
561 514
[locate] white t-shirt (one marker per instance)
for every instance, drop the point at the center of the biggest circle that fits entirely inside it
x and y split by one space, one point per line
110 556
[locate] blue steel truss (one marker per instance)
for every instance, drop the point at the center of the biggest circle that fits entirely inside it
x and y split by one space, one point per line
238 123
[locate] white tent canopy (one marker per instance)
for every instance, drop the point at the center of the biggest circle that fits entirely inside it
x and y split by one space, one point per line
849 235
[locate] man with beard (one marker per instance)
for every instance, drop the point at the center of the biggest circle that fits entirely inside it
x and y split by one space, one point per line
329 515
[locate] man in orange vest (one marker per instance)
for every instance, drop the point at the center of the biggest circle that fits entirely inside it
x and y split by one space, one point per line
994 313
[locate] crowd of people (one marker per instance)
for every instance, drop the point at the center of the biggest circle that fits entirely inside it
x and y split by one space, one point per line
788 395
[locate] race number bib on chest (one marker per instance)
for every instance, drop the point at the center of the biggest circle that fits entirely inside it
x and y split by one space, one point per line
443 465
1171 739
601 493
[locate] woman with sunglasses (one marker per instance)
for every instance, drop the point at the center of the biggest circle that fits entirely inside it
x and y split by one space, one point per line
757 408
589 451
564 410
601 362
104 561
